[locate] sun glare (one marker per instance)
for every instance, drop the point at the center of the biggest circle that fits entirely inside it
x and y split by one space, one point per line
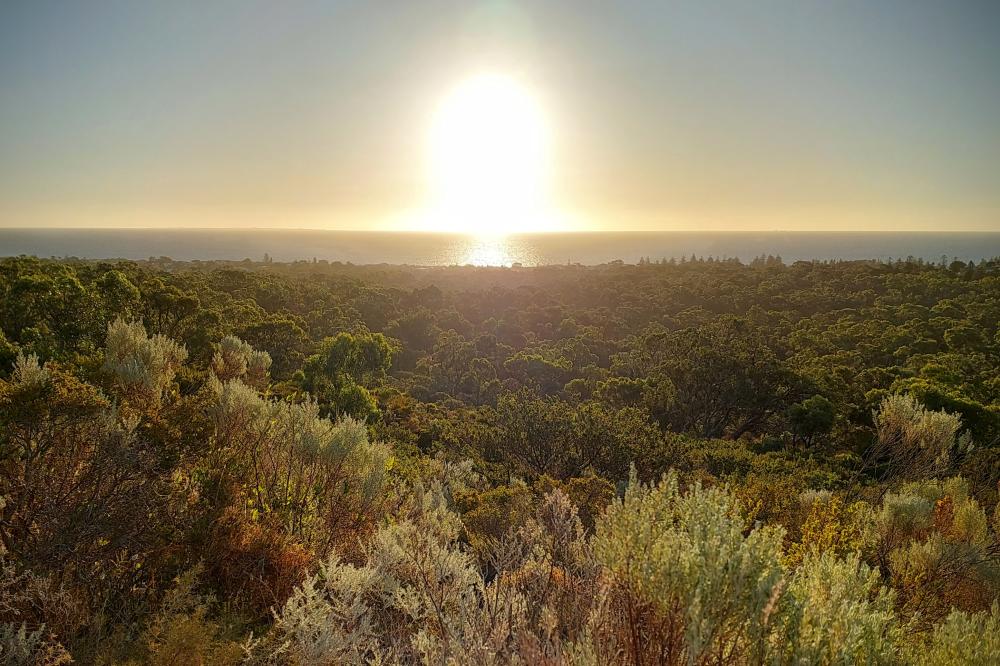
488 160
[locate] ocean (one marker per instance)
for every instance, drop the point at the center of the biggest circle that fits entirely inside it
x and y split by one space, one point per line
434 249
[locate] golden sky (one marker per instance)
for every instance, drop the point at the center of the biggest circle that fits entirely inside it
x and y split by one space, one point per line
791 114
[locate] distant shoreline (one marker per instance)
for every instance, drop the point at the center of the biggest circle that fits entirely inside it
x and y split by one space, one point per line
418 248
574 232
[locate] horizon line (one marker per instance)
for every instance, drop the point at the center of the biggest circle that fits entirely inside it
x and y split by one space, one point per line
547 232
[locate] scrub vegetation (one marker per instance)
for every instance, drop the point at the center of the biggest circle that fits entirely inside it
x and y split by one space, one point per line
693 462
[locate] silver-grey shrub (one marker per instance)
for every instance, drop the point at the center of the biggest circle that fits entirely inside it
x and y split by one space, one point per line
236 359
310 475
670 576
913 442
143 366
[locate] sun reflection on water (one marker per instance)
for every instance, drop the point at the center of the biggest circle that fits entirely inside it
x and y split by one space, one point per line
488 251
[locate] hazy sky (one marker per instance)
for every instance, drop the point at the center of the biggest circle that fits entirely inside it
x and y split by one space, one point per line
826 114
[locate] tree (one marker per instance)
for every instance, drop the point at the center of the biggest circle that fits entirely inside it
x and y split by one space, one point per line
416 331
727 381
547 376
811 418
337 375
538 436
284 340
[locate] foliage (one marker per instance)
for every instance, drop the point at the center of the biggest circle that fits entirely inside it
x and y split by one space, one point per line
839 614
339 372
682 563
20 647
235 359
811 418
962 640
142 365
831 525
698 462
934 540
180 633
59 434
550 436
410 599
291 467
914 442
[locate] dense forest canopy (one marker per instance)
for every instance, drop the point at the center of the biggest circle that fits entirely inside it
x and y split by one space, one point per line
681 462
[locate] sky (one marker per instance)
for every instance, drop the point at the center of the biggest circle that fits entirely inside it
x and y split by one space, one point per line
767 115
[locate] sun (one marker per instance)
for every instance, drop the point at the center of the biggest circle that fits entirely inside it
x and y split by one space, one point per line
489 159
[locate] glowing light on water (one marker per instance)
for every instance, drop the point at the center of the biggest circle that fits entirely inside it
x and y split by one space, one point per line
488 251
